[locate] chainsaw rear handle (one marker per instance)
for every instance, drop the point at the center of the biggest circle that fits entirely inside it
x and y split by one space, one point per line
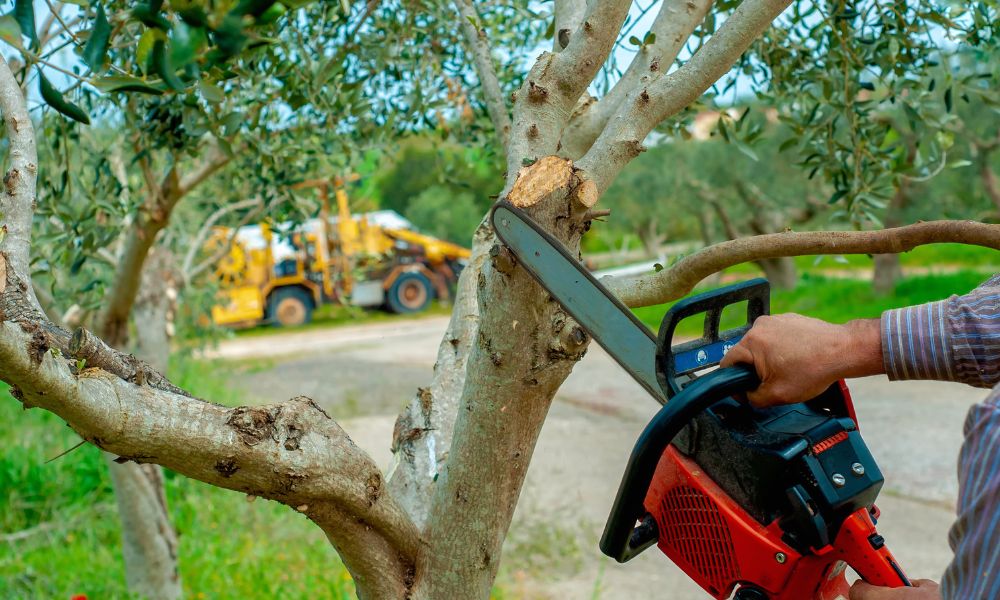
618 540
674 362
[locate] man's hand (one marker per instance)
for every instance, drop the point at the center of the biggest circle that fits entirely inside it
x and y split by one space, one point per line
923 589
798 357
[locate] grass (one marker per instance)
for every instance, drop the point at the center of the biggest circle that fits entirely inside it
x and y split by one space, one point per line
837 300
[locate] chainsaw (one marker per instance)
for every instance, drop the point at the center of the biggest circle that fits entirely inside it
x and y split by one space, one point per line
752 504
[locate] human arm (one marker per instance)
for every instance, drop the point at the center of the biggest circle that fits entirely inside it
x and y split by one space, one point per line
797 357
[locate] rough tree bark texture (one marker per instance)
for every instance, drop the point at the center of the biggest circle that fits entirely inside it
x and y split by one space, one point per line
525 348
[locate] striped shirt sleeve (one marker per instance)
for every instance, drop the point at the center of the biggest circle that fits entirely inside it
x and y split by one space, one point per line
975 536
957 339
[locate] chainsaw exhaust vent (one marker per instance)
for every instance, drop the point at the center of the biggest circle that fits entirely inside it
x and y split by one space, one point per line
693 530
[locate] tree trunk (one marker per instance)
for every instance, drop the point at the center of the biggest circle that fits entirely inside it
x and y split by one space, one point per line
887 268
887 272
149 543
781 272
990 183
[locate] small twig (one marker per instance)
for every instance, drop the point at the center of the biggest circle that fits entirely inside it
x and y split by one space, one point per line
65 452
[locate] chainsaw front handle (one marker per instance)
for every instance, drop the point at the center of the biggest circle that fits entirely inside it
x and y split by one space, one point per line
618 540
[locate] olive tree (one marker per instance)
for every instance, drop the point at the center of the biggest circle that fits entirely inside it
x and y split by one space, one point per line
433 526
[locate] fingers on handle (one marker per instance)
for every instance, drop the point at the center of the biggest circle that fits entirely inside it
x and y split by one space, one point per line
738 354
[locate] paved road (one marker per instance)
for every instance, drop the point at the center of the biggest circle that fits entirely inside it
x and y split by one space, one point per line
365 373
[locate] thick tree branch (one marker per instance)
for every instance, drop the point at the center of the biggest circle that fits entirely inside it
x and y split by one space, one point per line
647 106
479 47
672 27
568 15
291 452
543 105
677 281
17 201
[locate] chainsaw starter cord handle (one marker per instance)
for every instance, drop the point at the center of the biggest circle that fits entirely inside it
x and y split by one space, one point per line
628 508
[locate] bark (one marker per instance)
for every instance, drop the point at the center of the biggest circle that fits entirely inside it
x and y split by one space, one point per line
139 239
673 25
556 82
523 351
17 201
477 45
291 452
677 281
423 431
149 542
781 272
568 15
646 106
887 268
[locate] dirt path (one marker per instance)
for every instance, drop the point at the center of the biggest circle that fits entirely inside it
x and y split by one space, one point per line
363 374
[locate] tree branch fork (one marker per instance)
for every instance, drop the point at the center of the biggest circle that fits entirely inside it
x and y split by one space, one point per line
292 452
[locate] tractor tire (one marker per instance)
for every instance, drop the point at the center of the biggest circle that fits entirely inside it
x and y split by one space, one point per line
290 306
410 293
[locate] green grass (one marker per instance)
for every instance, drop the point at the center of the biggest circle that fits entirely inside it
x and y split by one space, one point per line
228 547
932 257
837 300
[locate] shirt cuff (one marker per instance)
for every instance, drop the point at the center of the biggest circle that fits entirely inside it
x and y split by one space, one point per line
915 342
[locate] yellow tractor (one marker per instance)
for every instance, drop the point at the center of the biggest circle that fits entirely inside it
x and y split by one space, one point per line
279 274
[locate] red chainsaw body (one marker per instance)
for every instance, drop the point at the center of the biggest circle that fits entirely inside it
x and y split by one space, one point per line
720 546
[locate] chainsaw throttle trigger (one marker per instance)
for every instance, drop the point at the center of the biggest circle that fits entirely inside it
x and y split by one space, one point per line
688 358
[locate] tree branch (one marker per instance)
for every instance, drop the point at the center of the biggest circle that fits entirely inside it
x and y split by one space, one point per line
677 281
479 47
568 15
647 106
672 27
543 105
17 201
198 242
291 452
153 217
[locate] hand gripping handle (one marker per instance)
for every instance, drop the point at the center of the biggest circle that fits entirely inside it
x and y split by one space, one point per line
618 540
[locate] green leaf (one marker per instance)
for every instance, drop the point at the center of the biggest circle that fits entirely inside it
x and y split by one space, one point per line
162 66
144 48
24 12
185 43
10 31
126 83
211 92
97 46
634 40
958 164
55 99
650 38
